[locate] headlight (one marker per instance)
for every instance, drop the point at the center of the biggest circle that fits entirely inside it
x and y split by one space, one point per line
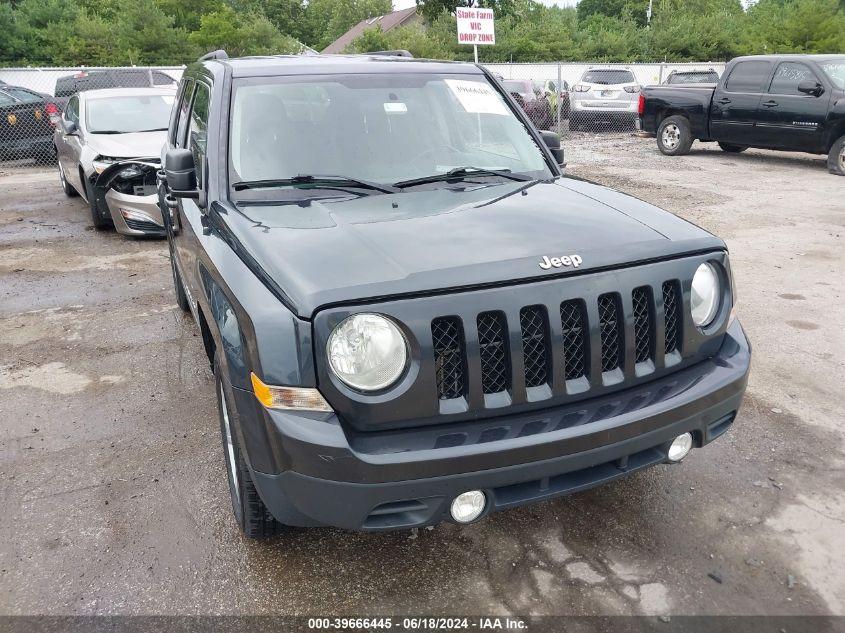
705 295
367 352
101 163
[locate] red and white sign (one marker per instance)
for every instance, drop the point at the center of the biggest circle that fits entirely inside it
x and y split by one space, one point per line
475 26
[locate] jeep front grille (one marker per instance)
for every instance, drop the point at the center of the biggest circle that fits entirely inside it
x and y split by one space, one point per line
449 356
493 349
602 334
672 318
643 324
535 345
610 324
574 328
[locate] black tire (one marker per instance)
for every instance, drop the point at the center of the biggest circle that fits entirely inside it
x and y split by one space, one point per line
100 223
732 149
836 157
250 512
674 137
178 286
68 188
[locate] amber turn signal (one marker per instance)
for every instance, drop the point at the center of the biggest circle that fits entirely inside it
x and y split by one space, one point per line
297 398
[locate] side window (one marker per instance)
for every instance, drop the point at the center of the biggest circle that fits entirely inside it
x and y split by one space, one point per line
787 77
72 109
182 116
24 96
131 78
162 79
748 77
198 130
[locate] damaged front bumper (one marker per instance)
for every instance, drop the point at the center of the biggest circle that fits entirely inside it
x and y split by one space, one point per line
129 190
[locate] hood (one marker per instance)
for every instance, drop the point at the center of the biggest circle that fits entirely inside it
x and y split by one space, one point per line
132 145
351 249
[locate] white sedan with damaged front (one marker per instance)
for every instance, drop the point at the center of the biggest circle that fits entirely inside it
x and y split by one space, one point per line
108 146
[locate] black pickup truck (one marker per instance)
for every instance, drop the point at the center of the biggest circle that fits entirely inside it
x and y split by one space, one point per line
782 102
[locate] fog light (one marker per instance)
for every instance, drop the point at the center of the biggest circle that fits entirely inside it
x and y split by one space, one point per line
680 446
468 506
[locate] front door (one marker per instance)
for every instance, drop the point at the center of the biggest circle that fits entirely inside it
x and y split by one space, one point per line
790 119
733 112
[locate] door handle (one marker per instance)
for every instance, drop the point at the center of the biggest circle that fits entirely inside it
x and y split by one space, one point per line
770 104
724 100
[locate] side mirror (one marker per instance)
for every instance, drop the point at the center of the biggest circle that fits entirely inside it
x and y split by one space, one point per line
69 127
552 141
181 173
811 87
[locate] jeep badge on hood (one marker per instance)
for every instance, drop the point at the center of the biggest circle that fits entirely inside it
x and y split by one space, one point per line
557 262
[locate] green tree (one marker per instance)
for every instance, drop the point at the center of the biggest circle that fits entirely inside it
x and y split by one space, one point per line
326 20
241 34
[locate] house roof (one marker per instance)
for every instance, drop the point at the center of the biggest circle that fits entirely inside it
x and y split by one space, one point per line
386 22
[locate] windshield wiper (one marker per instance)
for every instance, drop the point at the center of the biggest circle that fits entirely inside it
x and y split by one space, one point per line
314 180
155 129
460 173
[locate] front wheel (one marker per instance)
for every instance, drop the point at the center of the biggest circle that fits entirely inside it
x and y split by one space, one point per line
674 137
178 285
732 149
836 157
97 218
68 189
251 514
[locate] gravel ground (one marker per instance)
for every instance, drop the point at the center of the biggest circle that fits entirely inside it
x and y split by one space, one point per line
113 488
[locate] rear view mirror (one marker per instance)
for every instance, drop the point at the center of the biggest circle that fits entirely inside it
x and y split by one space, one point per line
552 141
810 87
69 127
181 173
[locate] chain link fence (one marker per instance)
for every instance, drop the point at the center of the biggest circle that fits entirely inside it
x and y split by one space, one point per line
576 100
32 101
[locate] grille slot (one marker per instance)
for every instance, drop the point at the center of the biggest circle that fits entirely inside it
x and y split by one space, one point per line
672 316
643 324
610 325
535 345
492 344
574 328
449 354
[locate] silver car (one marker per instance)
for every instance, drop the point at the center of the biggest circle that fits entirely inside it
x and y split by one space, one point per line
604 96
108 145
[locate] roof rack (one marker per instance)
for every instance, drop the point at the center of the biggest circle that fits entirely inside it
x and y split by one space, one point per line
218 54
397 53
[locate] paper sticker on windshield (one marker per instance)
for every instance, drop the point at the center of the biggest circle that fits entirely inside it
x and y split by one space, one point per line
395 107
476 97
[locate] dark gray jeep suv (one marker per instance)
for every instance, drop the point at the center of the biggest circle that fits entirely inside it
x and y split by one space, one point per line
411 315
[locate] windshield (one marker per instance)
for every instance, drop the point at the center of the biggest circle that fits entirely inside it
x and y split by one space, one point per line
608 77
119 115
835 70
384 128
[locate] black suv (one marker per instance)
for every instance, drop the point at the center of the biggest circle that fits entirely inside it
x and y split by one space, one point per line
411 315
112 78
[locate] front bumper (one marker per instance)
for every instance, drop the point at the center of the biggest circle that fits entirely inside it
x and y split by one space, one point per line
135 215
332 475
